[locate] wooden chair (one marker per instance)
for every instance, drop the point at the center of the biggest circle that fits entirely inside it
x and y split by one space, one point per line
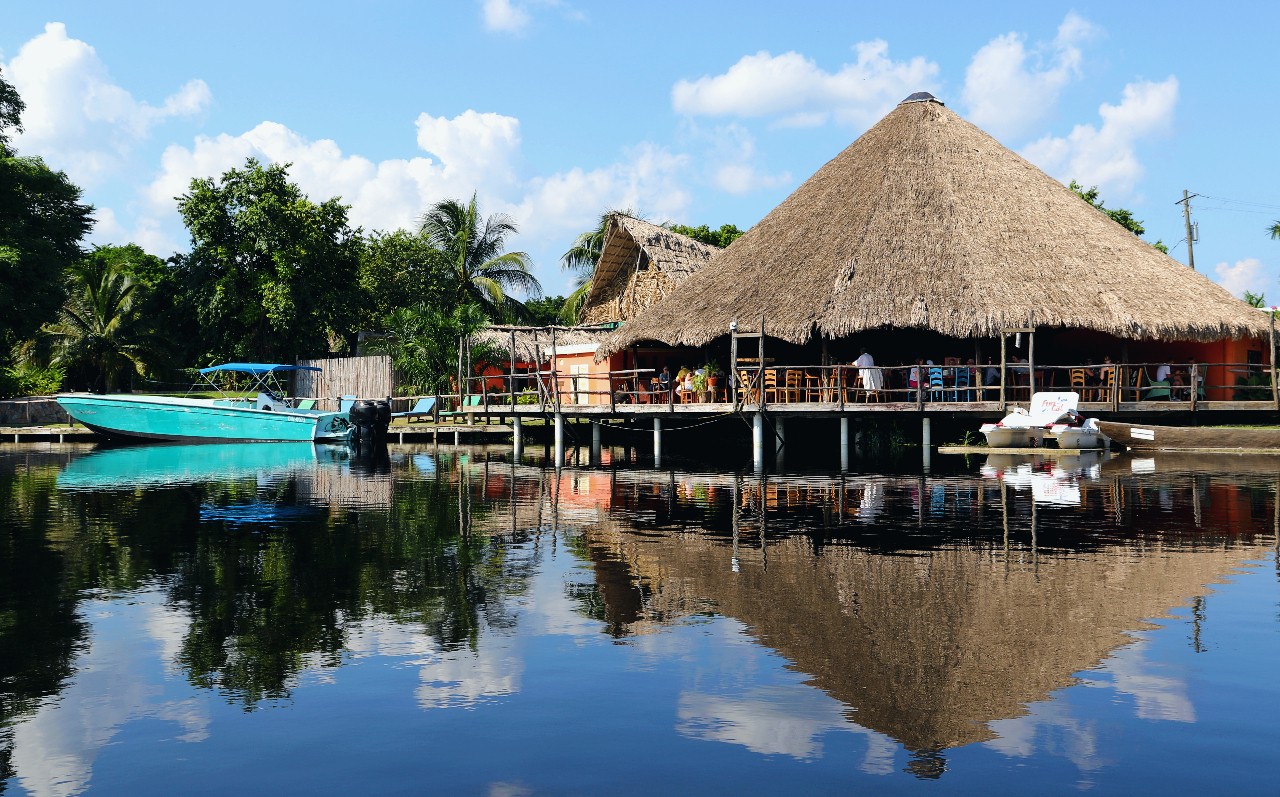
771 389
1077 383
747 388
795 384
936 385
1107 391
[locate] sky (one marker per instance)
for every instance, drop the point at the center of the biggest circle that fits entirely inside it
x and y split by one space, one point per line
553 111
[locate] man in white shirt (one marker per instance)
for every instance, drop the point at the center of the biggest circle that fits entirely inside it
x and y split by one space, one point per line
1162 373
868 373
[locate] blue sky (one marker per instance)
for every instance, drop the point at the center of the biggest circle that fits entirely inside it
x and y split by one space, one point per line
699 113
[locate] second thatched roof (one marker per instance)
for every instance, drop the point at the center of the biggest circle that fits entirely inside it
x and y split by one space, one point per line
640 264
927 222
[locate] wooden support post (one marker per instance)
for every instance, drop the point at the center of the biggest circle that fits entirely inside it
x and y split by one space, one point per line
555 370
1031 356
1003 358
733 365
840 387
1275 389
760 373
513 370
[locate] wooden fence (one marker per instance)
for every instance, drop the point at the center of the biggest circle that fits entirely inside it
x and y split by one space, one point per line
363 377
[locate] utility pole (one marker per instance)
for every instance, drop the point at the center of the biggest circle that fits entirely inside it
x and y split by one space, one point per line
1186 216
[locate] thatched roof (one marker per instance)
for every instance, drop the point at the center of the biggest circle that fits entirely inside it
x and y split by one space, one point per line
639 264
527 338
927 222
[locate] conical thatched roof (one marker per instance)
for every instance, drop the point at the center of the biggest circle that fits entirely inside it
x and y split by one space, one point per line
639 265
927 222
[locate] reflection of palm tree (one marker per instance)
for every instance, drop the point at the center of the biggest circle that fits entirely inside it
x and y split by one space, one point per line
473 247
97 327
582 258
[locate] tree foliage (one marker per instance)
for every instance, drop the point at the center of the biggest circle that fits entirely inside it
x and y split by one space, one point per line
400 269
722 237
423 343
473 247
98 330
271 275
42 223
11 108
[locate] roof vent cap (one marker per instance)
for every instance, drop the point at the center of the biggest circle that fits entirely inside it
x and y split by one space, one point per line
922 96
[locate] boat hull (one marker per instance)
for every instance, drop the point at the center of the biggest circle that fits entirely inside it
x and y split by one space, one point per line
1014 437
1077 438
197 420
1175 438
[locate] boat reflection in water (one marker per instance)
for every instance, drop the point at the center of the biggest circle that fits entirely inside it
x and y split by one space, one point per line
764 632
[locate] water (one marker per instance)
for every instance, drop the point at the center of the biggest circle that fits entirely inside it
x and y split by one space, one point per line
288 620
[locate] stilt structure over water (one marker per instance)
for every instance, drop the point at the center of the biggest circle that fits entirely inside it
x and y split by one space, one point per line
970 276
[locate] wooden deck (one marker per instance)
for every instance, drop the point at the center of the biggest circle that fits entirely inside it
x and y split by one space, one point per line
824 409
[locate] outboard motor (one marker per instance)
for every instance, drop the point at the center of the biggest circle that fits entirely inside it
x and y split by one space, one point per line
371 419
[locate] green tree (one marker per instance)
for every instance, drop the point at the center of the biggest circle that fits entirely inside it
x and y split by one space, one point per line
423 343
271 275
98 331
42 223
550 311
480 271
1120 216
721 238
399 269
1274 231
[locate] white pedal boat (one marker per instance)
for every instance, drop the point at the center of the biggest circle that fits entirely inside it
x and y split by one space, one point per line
1051 415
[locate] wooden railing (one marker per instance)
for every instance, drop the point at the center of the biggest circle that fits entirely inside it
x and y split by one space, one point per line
840 386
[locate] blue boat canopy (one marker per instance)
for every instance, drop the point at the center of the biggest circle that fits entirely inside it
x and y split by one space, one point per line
258 368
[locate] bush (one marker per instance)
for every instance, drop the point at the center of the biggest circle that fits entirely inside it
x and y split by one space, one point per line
29 380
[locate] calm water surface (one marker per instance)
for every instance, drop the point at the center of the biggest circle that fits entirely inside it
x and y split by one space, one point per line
283 619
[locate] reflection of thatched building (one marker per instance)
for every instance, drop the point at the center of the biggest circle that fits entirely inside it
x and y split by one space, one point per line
927 236
926 648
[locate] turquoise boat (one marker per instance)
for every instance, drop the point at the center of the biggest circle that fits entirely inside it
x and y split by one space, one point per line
269 418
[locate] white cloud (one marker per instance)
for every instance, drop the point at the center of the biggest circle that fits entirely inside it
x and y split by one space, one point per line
1106 156
76 117
505 16
1245 275
501 15
796 89
731 160
1004 95
475 152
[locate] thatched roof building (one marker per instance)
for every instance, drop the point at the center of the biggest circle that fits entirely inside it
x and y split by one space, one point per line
533 344
639 264
926 222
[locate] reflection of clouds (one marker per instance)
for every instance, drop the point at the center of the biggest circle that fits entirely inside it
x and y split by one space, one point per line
786 720
464 678
115 682
1156 697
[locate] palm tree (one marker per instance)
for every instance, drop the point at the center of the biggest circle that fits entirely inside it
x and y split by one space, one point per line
482 273
423 343
582 259
97 327
1274 230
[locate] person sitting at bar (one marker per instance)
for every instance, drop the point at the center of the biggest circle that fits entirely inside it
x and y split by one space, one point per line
1163 372
1091 374
993 373
913 379
664 379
